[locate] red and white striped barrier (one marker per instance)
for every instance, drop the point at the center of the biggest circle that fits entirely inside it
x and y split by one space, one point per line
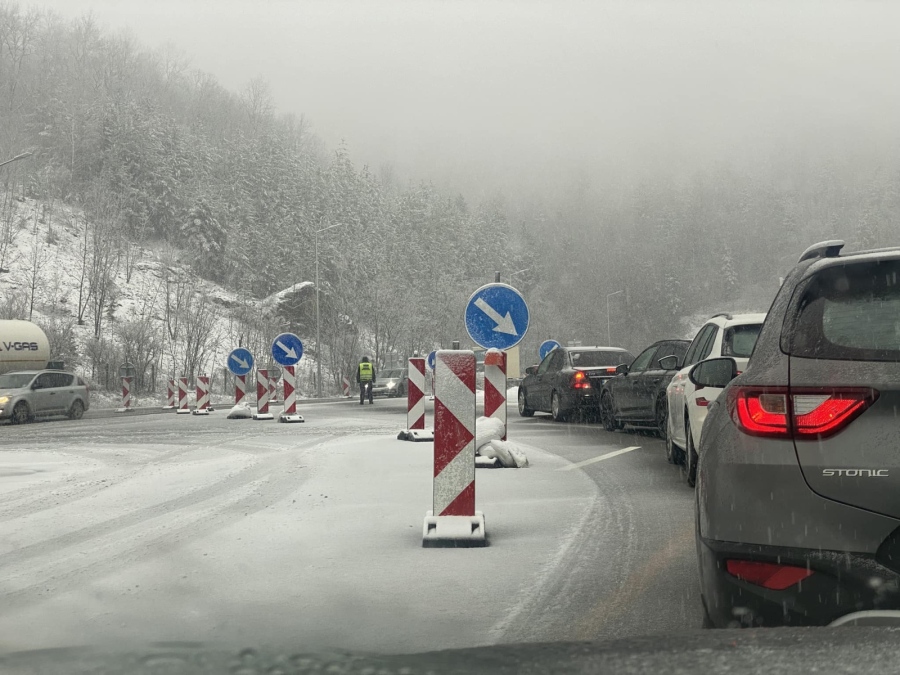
453 521
240 388
346 386
183 405
495 386
126 395
262 396
171 395
289 414
415 404
202 394
273 389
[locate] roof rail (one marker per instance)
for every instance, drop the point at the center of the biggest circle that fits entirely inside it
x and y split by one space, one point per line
824 249
725 314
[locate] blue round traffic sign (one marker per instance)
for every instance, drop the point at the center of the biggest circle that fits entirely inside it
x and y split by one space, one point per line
287 349
497 316
240 361
431 360
546 347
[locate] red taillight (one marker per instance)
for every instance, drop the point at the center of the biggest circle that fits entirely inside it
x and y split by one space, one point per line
581 381
804 413
611 371
768 575
702 402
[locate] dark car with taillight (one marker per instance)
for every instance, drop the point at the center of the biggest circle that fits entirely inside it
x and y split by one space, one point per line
569 379
637 394
798 477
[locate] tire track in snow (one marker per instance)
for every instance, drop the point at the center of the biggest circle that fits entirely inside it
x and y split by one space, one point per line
240 493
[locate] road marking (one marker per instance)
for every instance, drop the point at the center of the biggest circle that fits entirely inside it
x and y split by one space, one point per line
593 460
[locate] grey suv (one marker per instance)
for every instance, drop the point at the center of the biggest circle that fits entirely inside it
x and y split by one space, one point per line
42 393
798 484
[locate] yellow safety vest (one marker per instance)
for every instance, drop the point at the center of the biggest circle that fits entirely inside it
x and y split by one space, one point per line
365 372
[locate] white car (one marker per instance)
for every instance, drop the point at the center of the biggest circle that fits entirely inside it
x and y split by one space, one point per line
722 335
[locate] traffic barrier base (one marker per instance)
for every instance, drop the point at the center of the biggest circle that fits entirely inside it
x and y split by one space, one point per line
263 416
290 417
454 531
487 463
416 435
201 411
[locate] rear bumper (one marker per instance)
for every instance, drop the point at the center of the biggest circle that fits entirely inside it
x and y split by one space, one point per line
841 583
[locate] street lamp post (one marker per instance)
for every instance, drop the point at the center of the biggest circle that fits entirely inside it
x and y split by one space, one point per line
318 332
16 158
608 324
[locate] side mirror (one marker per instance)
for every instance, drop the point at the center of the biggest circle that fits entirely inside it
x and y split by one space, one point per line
669 362
622 369
531 370
714 373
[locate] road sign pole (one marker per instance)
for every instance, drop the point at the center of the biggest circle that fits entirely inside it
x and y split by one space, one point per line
240 388
126 395
495 386
289 414
183 405
453 520
262 396
415 403
202 394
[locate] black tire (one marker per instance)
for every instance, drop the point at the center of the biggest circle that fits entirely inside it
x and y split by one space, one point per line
662 417
689 466
76 412
610 423
556 411
524 410
400 392
21 413
671 451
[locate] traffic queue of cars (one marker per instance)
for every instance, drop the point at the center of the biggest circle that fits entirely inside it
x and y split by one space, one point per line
787 422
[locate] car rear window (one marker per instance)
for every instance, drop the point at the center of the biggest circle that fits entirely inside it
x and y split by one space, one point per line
740 340
850 312
597 358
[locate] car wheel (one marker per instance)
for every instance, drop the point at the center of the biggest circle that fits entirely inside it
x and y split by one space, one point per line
670 450
400 392
556 411
21 413
610 423
76 411
662 417
524 410
689 466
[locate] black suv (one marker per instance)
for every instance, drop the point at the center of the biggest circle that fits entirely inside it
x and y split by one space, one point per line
569 379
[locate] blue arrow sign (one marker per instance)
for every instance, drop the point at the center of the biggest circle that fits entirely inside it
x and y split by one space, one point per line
497 316
546 347
287 349
431 360
240 361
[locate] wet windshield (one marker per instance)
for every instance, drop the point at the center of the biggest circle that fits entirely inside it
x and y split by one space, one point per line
15 380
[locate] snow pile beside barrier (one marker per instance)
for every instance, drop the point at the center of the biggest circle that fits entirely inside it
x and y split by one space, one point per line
507 453
487 429
241 411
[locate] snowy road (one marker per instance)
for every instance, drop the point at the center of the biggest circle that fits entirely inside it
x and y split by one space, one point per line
163 527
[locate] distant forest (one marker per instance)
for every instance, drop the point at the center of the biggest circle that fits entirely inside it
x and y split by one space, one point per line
156 152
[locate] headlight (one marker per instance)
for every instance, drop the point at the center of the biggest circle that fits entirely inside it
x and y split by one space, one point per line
4 399
391 385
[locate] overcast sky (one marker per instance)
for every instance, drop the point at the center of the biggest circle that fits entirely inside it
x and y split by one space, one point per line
496 93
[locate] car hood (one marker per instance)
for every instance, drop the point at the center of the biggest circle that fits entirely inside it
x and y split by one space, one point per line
13 392
761 651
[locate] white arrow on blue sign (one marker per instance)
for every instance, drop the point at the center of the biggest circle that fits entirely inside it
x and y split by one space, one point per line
546 347
240 361
431 360
497 316
287 349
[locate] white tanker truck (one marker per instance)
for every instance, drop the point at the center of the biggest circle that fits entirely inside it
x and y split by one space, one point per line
23 346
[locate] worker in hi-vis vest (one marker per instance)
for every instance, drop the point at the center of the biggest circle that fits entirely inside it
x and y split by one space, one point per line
365 377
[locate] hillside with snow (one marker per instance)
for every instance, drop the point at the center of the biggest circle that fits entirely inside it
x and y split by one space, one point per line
103 303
